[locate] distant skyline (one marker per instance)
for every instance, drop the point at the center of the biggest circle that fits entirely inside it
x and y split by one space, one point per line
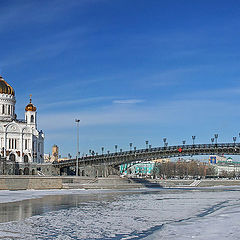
129 70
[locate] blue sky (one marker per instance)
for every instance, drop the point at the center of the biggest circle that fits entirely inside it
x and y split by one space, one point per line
130 70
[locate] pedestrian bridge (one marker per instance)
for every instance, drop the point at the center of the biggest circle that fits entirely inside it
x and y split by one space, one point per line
116 159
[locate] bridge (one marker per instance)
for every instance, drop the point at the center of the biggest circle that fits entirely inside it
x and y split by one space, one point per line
148 154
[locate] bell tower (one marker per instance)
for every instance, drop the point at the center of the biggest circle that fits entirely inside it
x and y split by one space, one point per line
31 114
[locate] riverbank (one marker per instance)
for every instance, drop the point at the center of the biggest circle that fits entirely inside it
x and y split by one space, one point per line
112 182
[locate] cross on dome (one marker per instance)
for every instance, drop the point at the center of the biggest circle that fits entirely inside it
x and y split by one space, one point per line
30 106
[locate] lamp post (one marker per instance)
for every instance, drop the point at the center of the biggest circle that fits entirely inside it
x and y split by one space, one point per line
193 139
77 121
212 140
164 141
135 149
146 144
116 148
102 150
184 142
130 145
234 140
216 137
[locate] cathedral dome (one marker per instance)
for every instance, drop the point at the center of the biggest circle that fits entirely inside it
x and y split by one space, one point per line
5 87
30 106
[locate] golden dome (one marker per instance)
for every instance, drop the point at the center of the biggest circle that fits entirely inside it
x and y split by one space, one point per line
30 106
5 87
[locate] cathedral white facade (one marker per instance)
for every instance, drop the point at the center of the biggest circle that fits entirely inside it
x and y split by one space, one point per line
20 140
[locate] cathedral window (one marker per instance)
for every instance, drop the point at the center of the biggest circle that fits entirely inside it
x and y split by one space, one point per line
9 109
12 142
32 118
3 109
26 144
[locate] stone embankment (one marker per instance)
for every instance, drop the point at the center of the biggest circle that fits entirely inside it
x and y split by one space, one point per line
111 182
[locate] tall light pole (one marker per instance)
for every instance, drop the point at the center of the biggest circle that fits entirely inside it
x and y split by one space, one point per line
234 140
116 148
184 142
212 140
77 121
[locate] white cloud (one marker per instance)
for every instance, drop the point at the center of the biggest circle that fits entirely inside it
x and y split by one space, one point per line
128 101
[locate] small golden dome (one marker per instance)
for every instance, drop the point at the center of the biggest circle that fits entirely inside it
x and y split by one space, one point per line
30 106
5 87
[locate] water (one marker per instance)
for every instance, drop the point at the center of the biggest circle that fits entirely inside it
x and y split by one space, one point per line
147 214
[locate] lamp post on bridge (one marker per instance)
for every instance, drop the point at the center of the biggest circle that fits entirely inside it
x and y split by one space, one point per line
77 121
146 144
193 139
234 140
216 138
212 140
164 141
184 142
130 145
116 148
102 150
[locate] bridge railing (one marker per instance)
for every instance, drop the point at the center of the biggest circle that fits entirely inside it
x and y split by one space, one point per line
176 150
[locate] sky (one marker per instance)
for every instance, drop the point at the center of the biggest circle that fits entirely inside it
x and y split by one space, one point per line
130 70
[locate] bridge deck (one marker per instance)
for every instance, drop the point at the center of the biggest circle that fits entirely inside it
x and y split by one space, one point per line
154 153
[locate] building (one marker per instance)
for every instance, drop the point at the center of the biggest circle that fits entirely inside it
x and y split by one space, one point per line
20 140
55 155
137 169
214 159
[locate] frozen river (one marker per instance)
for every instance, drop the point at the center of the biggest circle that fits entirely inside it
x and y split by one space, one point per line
140 214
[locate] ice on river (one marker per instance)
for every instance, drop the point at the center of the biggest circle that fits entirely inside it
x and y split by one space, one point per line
163 214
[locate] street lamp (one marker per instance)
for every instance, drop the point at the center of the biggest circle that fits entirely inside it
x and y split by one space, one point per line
234 140
130 145
77 121
120 150
146 144
102 150
184 142
150 146
116 148
212 140
135 148
193 139
216 137
108 152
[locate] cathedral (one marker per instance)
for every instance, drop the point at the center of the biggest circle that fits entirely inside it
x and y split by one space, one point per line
20 140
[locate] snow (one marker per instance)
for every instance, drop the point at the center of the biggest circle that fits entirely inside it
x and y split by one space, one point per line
164 214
